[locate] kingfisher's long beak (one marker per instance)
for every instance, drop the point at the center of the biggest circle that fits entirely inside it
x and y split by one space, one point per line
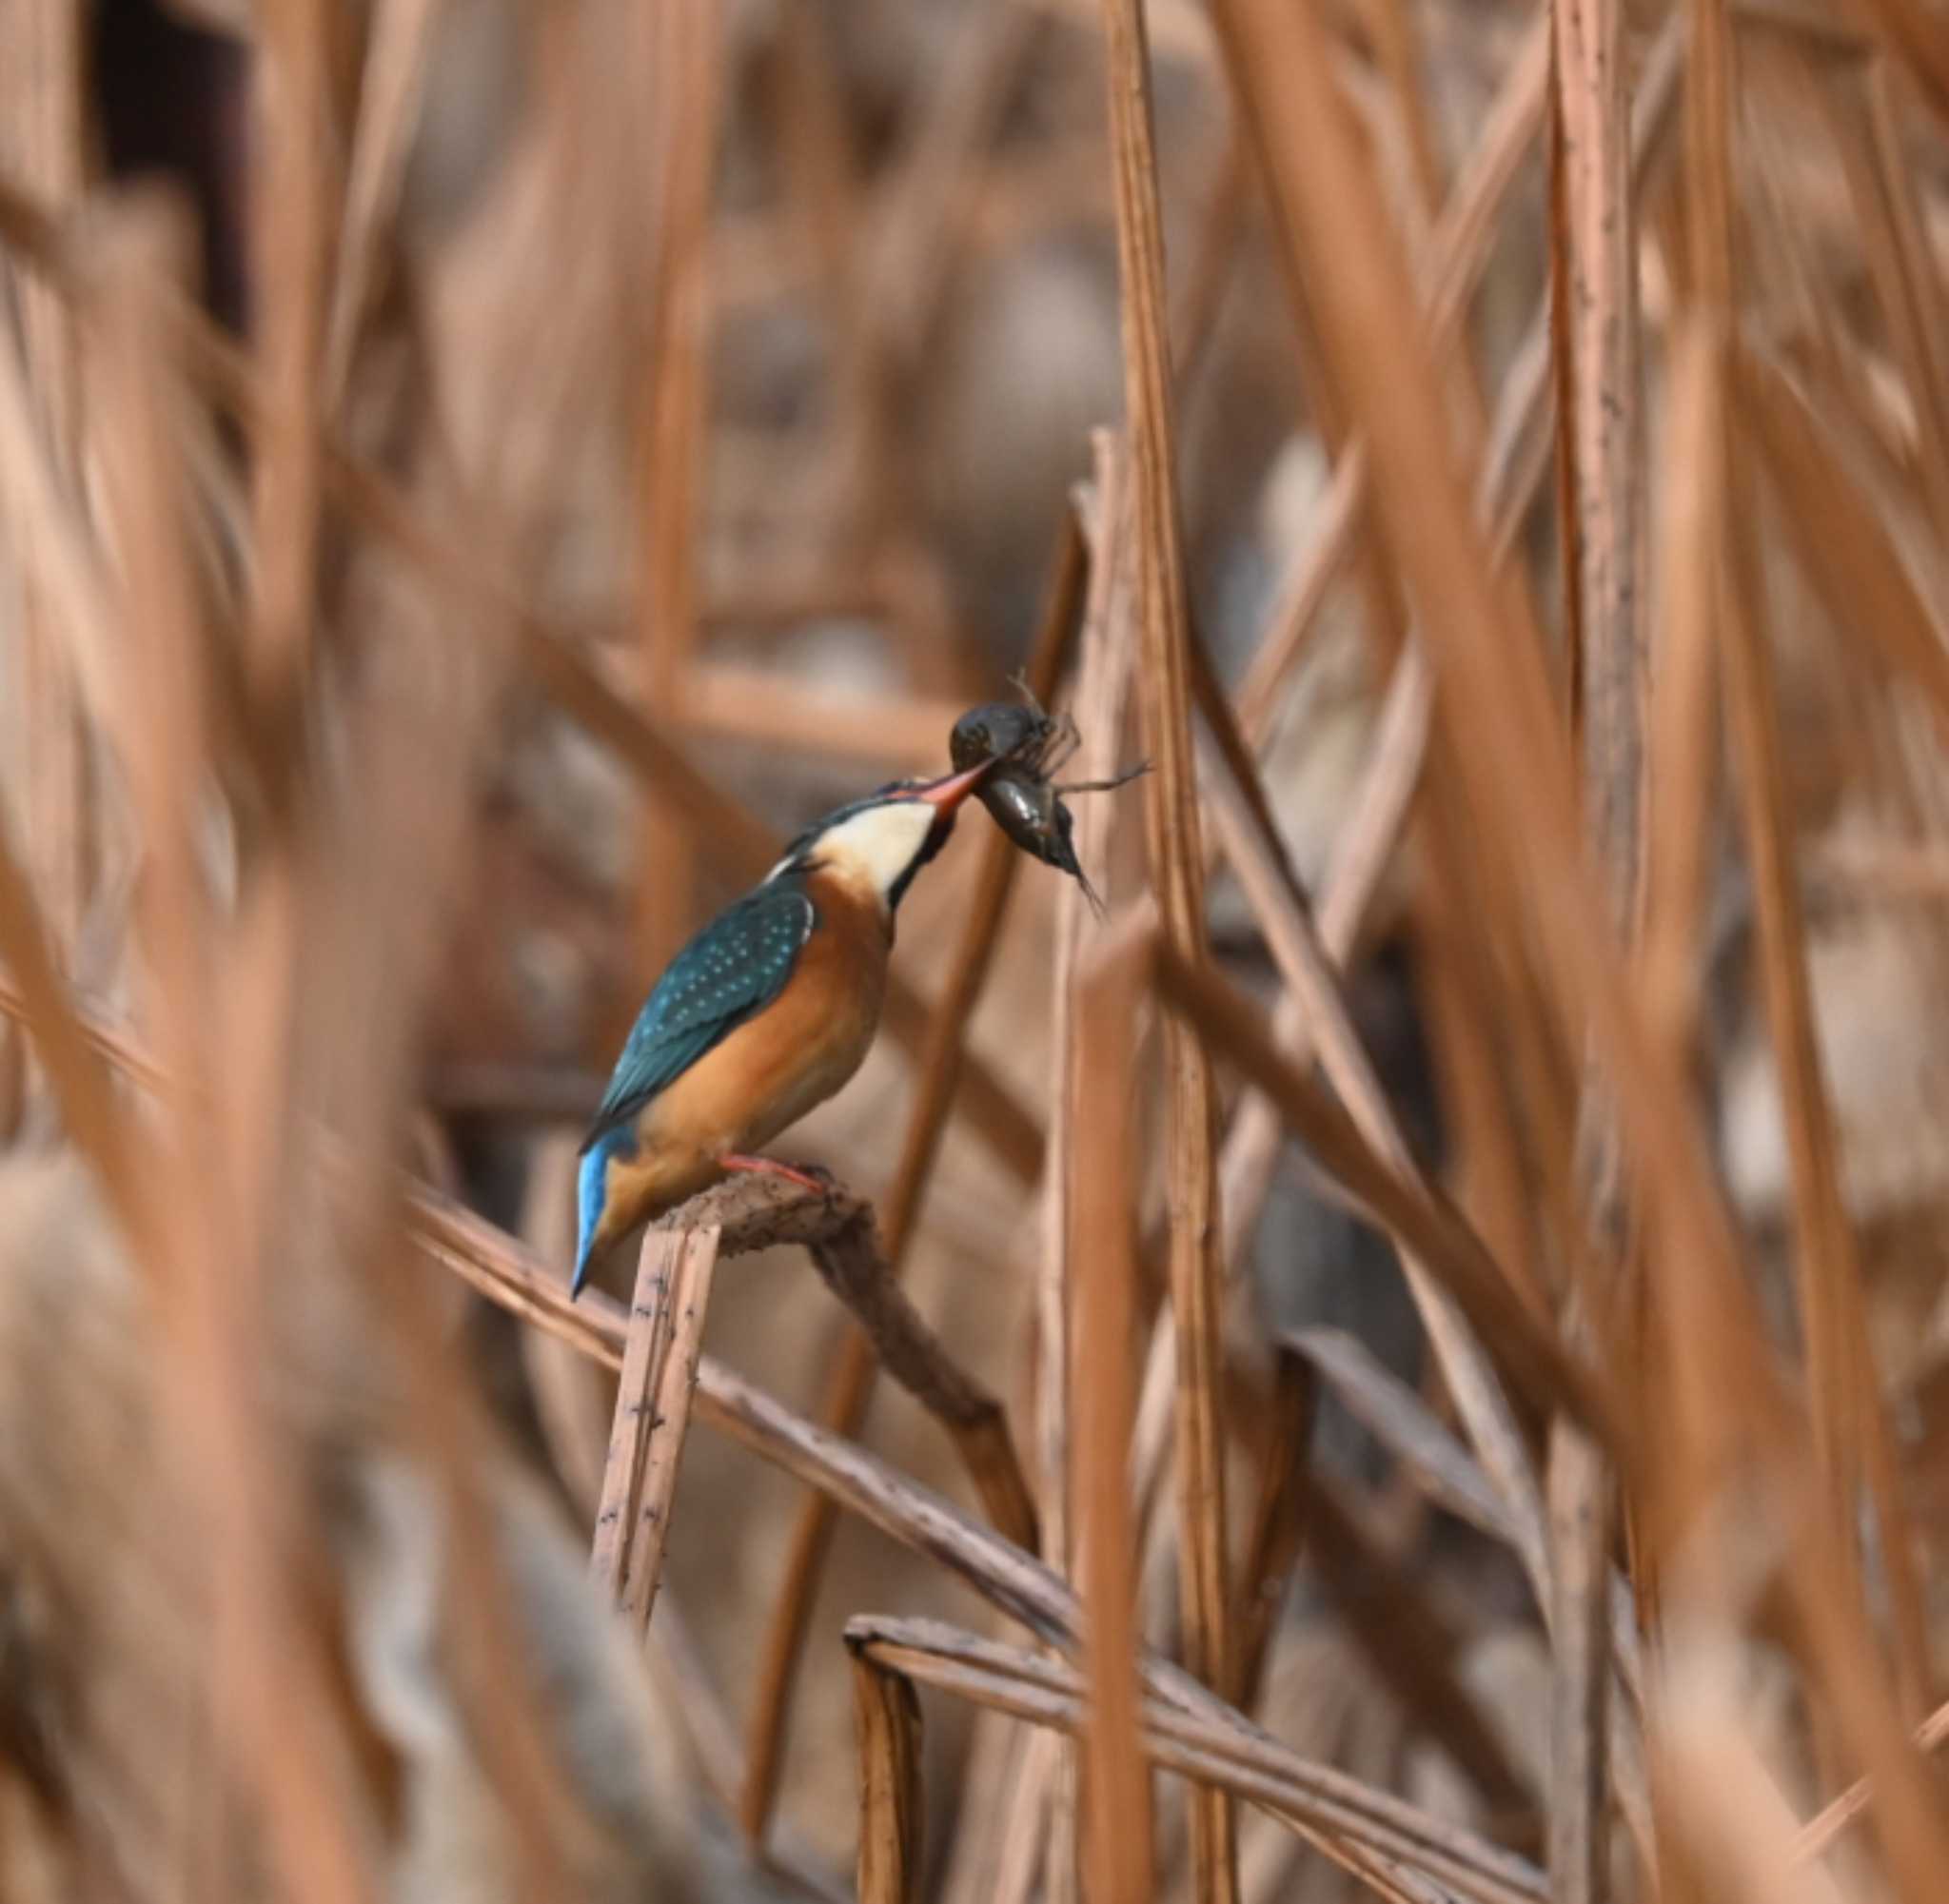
944 796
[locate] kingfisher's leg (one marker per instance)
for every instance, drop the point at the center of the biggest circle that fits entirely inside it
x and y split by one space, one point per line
769 1167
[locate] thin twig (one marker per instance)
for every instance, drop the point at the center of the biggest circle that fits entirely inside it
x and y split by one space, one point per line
1331 1808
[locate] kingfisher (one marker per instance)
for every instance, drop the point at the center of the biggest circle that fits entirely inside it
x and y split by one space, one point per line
765 1014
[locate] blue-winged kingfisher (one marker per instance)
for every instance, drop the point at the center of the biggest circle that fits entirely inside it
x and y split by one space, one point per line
765 1014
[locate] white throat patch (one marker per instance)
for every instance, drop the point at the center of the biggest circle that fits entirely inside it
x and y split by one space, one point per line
877 847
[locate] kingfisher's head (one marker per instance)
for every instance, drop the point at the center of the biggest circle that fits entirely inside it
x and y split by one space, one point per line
877 844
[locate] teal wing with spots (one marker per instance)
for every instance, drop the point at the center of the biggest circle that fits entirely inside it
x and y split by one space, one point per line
728 974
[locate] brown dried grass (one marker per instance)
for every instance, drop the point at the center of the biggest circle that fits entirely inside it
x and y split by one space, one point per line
293 627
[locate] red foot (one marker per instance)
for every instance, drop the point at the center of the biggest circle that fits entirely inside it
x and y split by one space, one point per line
767 1167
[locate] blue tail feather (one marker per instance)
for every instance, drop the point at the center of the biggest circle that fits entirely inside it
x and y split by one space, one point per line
592 1194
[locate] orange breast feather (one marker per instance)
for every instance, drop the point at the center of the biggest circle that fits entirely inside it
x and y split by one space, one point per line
797 1052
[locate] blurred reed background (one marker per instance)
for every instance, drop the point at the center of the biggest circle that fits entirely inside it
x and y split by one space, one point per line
1456 1250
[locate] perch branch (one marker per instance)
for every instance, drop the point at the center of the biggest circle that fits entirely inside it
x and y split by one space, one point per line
840 1233
666 1325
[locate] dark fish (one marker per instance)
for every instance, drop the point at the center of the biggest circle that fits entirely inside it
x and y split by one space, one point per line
1003 730
1033 815
1020 795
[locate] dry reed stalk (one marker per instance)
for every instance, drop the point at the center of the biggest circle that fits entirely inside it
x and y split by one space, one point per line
294 212
892 1806
392 88
907 271
380 979
1489 663
1595 305
1581 1508
1594 324
502 1685
1100 704
1853 563
1853 97
907 268
810 108
276 1720
1278 1523
43 147
1036 1846
683 1676
1862 580
1842 1663
370 945
42 110
904 732
946 1065
73 1061
1399 55
1463 982
418 754
1850 1433
676 87
1457 256
1906 27
1884 872
1409 1644
258 1013
1683 742
1172 809
1220 226
1337 1814
1730 1827
1817 1835
1413 1209
1116 1811
1361 855
764 606
651 1415
66 598
1038 1824
1259 860
166 719
1513 465
417 773
1397 1417
1682 730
